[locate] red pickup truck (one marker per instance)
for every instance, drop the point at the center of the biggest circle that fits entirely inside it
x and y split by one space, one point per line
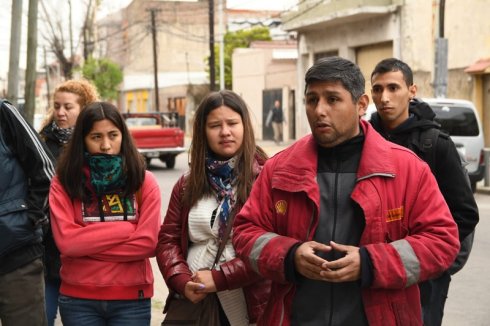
156 135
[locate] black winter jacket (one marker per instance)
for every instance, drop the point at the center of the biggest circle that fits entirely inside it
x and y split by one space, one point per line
52 260
448 171
26 171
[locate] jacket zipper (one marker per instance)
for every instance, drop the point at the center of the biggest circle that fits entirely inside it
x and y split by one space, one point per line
335 214
312 217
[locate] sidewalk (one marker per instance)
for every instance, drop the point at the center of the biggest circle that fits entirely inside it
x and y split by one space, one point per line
271 148
482 189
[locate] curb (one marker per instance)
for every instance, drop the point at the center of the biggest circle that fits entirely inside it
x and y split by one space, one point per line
483 190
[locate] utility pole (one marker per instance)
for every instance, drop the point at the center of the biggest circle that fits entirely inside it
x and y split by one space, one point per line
155 56
13 75
46 68
31 66
212 71
440 67
70 22
221 47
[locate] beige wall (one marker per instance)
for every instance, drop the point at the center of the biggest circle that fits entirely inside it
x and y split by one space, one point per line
255 70
182 36
249 81
411 28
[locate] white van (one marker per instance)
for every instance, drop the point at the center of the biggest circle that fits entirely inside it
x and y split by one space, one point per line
460 119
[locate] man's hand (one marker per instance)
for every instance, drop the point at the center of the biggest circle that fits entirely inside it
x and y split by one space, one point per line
307 263
194 291
345 269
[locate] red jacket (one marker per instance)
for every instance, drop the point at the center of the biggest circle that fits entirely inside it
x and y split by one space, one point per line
173 242
409 232
106 260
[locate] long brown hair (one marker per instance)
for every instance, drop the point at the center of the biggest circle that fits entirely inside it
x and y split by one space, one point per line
197 182
72 160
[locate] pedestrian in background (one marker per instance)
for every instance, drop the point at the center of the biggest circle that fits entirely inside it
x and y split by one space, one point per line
406 121
276 118
224 162
344 222
105 214
69 99
26 169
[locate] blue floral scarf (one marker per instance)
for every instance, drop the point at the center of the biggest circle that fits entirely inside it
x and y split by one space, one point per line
222 179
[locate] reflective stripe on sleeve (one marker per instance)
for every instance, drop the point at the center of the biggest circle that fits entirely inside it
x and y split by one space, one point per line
257 249
409 259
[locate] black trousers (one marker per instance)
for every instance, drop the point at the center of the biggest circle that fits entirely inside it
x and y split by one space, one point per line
433 295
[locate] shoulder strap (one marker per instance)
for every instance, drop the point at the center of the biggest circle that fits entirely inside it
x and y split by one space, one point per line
428 143
224 240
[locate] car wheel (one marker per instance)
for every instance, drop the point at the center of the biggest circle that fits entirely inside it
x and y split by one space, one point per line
170 162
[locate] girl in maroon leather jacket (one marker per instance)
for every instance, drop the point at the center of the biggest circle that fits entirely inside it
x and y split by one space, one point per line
224 163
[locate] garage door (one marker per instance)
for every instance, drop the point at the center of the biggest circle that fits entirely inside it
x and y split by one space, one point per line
368 56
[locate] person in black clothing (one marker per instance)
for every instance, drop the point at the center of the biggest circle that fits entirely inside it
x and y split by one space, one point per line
403 119
69 99
277 120
26 169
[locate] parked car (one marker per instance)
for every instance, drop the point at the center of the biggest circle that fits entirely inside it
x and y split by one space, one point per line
461 121
156 135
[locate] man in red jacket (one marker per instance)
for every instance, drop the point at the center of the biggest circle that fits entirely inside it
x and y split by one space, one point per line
344 222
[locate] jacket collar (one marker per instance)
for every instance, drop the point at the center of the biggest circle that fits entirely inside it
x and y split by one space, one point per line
377 155
301 159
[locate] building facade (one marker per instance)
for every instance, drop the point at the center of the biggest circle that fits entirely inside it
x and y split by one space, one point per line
273 77
367 31
180 34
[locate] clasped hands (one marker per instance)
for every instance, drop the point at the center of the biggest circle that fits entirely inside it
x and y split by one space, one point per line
202 283
310 265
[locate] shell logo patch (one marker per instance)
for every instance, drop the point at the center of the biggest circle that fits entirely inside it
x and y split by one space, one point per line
281 207
395 214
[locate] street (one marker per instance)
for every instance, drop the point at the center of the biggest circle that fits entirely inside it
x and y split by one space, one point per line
469 294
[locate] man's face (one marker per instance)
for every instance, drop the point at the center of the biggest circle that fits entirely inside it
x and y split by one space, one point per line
392 95
332 115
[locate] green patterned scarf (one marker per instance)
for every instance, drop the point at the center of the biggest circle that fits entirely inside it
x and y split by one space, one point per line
106 174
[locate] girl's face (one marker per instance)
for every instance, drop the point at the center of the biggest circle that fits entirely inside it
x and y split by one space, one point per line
104 138
224 132
66 109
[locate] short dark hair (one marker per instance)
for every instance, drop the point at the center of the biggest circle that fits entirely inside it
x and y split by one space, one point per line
197 179
393 64
72 160
337 69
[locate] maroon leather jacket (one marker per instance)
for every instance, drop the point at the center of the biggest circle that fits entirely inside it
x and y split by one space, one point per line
171 253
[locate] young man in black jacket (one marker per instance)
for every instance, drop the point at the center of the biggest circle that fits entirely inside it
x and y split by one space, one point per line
404 120
26 168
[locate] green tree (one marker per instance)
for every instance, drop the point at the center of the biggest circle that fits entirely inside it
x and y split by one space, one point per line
238 39
105 74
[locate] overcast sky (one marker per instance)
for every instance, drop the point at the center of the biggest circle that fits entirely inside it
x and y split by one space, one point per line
107 6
